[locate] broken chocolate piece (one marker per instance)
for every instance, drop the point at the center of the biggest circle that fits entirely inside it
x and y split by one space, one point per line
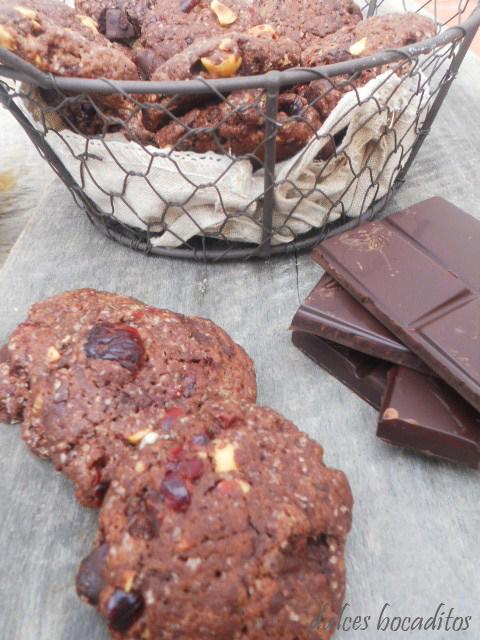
332 313
418 273
364 375
422 413
116 26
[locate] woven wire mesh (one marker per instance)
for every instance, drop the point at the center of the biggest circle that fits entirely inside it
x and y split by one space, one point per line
232 180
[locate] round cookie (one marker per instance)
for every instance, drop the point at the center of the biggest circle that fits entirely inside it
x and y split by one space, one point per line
29 355
233 54
98 369
58 40
305 21
173 25
389 31
233 528
237 126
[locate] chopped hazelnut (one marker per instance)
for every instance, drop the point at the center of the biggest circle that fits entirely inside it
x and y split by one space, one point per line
53 355
224 458
358 47
224 14
137 437
390 414
88 22
225 69
6 39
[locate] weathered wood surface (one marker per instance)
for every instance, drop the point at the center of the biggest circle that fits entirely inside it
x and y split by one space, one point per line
416 527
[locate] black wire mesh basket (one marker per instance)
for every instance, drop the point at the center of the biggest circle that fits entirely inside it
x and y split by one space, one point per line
238 167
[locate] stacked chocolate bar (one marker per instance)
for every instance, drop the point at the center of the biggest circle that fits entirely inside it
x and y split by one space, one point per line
396 318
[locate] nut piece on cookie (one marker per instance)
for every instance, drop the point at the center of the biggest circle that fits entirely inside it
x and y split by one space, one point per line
225 15
264 542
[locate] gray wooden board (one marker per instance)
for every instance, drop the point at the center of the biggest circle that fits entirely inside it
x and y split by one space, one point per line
415 535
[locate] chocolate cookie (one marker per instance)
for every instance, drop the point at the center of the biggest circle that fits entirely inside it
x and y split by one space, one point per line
223 56
58 40
119 20
98 369
232 527
237 126
232 54
305 21
375 34
31 354
389 31
173 25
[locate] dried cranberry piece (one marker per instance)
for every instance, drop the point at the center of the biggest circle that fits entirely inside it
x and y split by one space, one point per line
189 385
117 342
89 580
123 609
175 454
171 415
191 469
187 5
99 491
200 440
175 492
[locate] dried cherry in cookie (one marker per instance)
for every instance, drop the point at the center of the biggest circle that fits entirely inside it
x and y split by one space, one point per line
117 342
123 609
89 578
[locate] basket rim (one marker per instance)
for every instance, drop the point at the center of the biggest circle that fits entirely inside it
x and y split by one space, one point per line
13 67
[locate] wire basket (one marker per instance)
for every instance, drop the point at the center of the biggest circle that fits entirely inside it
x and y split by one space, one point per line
203 195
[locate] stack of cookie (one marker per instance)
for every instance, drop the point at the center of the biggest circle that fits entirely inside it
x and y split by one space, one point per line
165 40
218 517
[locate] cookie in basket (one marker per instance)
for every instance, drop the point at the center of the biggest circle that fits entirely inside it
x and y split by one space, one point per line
237 126
58 40
389 31
228 526
85 361
173 25
305 21
222 56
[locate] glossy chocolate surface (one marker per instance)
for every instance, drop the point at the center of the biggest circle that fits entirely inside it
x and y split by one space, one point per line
422 413
418 273
364 375
331 312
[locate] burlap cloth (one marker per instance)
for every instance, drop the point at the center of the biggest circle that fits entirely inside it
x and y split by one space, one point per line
175 195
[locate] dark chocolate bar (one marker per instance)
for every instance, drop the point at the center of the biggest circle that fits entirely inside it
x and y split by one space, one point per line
422 413
332 313
364 375
418 273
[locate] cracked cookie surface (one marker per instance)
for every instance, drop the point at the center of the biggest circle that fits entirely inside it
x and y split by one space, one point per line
227 525
87 368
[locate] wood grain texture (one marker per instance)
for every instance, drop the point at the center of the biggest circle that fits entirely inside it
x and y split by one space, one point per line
415 537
